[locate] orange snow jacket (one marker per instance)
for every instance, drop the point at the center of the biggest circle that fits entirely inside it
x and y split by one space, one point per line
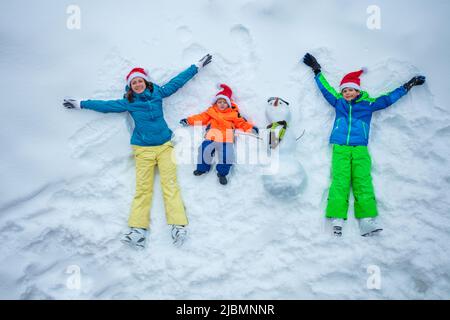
221 123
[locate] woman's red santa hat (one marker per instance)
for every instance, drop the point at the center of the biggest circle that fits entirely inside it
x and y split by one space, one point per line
225 93
352 80
137 73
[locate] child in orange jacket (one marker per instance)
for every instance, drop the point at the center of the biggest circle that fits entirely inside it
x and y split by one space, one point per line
221 119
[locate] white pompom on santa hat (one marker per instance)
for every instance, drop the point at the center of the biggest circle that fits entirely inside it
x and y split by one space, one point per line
225 93
351 80
137 73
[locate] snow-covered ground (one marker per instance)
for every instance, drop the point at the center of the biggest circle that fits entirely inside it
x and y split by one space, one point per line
67 177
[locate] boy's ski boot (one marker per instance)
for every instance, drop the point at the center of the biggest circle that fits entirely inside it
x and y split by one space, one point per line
222 179
199 173
368 227
135 238
179 234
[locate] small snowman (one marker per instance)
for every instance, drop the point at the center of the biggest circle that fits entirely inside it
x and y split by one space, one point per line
286 177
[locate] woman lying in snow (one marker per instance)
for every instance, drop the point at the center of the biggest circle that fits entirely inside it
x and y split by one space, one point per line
151 146
351 162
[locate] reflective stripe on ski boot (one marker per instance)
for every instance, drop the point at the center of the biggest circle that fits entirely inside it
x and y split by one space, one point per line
179 234
337 227
135 238
368 227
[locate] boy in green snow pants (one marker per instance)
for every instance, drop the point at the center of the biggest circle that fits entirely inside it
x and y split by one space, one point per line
351 166
351 163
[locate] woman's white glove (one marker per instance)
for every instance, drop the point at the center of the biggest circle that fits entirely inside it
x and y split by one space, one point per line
70 103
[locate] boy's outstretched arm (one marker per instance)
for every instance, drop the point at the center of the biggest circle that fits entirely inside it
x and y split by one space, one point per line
388 99
327 90
242 124
330 94
197 119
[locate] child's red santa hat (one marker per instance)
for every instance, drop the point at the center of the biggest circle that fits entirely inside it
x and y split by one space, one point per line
352 80
137 73
225 93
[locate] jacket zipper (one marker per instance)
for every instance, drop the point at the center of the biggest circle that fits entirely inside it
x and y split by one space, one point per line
349 123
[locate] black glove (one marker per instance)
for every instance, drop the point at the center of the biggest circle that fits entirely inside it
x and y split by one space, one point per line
311 62
255 130
184 122
204 61
416 81
70 103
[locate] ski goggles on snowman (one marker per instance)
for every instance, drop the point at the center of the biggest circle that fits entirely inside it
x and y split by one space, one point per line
276 102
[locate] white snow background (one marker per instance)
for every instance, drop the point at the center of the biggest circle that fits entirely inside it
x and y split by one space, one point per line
67 177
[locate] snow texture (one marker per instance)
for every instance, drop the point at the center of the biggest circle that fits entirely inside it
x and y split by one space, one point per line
68 175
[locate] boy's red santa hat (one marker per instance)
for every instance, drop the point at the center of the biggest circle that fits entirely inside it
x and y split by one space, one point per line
137 73
351 80
225 93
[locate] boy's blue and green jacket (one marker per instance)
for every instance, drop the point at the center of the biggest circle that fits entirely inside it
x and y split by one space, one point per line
146 110
352 122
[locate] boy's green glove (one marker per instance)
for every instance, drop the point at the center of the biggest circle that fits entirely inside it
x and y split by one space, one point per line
311 62
416 81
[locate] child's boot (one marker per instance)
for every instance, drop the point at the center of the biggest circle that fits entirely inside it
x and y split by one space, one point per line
179 234
135 237
222 179
337 226
369 227
198 172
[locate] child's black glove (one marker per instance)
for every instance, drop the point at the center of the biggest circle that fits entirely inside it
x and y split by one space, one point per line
184 123
311 62
416 81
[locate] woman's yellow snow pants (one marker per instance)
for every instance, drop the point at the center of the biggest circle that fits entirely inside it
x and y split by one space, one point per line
146 159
